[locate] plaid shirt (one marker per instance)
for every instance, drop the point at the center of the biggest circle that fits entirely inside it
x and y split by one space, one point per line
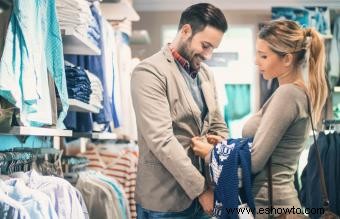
184 63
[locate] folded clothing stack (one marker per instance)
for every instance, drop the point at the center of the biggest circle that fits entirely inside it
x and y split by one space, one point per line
96 96
78 83
74 15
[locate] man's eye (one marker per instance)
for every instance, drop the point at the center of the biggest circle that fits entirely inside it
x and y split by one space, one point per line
264 57
205 46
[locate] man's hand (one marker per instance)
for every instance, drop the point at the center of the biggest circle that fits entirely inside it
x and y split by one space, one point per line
200 147
206 199
214 139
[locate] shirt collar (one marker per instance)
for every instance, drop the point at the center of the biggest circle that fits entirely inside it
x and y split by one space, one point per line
183 62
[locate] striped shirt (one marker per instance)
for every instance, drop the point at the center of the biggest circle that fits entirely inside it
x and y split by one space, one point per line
121 166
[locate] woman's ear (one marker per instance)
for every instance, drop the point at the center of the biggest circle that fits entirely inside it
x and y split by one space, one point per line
288 60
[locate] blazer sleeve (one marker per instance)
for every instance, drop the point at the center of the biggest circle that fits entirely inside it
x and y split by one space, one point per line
149 97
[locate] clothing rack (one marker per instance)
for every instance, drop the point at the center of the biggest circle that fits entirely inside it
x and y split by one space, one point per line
331 125
22 159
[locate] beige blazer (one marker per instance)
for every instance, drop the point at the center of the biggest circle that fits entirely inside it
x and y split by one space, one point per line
168 176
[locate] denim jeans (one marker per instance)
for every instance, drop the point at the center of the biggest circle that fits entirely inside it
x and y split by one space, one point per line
195 211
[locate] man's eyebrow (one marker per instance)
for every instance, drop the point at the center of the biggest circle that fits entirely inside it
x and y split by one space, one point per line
211 45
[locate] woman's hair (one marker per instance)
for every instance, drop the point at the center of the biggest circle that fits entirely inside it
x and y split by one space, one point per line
307 47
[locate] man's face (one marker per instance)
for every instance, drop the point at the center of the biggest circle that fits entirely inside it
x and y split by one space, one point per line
199 47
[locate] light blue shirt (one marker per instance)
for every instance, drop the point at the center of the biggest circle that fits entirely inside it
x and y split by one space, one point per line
37 204
6 203
61 193
33 47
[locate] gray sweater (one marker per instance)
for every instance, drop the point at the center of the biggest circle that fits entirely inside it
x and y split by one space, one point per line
279 129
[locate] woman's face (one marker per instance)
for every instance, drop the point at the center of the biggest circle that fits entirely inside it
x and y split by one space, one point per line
269 63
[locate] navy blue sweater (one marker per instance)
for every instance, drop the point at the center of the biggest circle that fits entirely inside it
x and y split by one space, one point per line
226 158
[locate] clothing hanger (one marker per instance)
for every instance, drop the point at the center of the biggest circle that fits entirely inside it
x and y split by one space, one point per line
330 126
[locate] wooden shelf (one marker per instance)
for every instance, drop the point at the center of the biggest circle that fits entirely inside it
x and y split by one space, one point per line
75 43
104 136
327 37
96 135
82 135
36 131
79 106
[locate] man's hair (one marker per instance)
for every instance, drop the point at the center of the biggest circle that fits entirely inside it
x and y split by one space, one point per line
201 15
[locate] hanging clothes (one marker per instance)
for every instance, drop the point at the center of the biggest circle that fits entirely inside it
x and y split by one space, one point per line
33 47
334 54
311 195
110 66
238 100
98 66
128 118
118 165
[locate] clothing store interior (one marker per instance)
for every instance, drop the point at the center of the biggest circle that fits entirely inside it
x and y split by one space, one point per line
96 121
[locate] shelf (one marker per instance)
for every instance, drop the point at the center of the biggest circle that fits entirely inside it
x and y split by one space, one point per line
96 135
104 136
337 89
79 106
36 131
327 37
82 135
75 43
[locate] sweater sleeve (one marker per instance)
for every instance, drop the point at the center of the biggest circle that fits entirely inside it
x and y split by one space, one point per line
277 116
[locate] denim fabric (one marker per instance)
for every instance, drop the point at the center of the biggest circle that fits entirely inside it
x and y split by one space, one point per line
33 46
78 84
78 121
195 211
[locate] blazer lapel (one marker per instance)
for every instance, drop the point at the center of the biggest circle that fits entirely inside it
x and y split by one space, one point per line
185 90
208 95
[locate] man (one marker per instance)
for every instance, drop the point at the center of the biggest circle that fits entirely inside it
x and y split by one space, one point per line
174 98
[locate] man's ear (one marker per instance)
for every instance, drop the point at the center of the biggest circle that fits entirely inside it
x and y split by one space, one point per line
288 60
186 31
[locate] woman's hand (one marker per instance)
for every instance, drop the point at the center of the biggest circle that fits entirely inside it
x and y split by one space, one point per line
200 147
214 139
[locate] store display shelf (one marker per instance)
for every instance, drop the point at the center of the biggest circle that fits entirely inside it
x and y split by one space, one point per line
79 106
96 135
36 131
77 44
82 135
104 136
327 37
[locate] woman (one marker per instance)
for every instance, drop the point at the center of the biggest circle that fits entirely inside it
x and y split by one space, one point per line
296 57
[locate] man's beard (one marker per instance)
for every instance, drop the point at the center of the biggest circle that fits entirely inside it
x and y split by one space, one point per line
184 50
